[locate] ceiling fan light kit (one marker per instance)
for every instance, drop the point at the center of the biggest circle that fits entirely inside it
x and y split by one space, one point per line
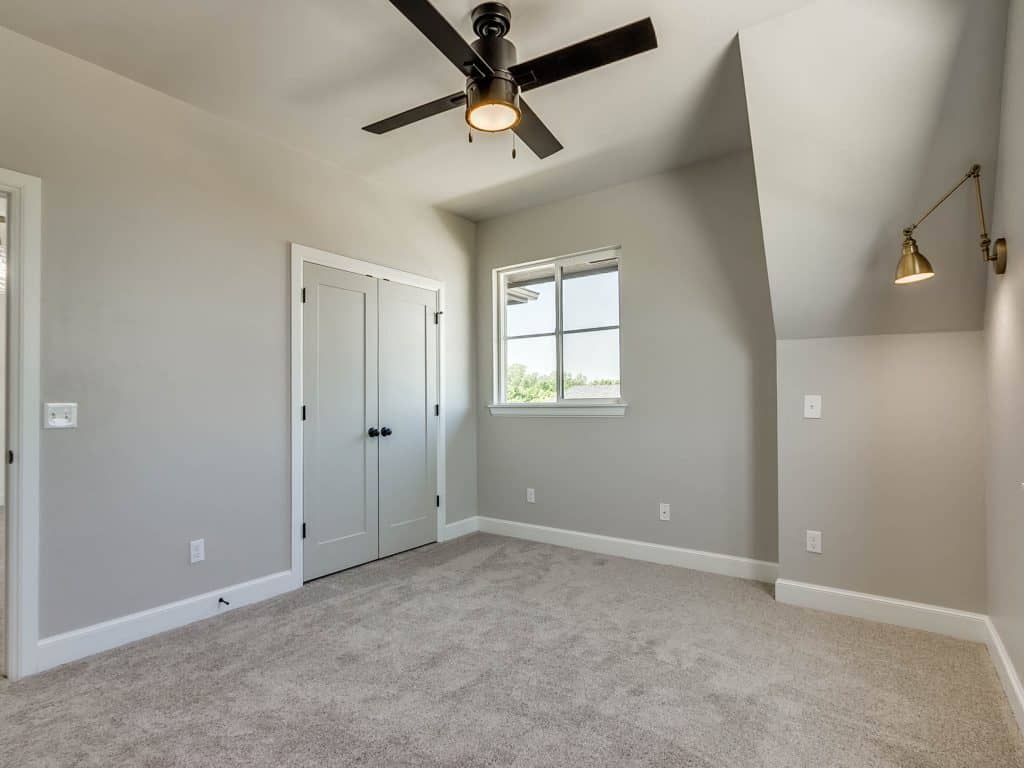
495 79
492 102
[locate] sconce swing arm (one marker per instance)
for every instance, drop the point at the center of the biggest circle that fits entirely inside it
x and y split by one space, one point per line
996 255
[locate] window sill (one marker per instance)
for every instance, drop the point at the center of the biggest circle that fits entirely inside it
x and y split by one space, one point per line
558 410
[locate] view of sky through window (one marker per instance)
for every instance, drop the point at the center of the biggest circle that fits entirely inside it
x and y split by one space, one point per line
590 335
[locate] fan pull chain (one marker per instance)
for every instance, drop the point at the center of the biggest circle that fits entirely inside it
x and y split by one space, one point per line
513 145
470 135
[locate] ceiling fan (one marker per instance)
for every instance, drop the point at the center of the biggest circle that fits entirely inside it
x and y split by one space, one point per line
494 80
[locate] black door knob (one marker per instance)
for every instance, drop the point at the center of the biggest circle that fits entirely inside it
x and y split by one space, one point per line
385 431
373 432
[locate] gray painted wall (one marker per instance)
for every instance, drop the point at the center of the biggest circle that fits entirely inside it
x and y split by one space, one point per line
856 146
893 474
698 370
165 315
1005 336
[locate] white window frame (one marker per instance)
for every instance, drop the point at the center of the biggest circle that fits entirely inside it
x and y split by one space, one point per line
574 407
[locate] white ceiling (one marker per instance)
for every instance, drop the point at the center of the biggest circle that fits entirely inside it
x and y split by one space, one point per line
312 72
862 114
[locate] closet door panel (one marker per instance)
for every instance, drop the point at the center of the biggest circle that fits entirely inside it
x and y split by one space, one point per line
408 395
340 459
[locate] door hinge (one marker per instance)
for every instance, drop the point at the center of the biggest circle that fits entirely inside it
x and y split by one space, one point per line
10 457
438 502
303 530
437 410
437 317
303 295
303 413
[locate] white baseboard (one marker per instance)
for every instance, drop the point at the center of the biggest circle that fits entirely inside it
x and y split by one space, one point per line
1007 672
460 528
710 562
79 643
963 625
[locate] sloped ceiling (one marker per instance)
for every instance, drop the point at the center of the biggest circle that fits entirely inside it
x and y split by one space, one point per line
312 72
862 113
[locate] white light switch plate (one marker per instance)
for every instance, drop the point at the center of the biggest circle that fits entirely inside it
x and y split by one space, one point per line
60 416
197 551
812 406
531 496
665 511
814 542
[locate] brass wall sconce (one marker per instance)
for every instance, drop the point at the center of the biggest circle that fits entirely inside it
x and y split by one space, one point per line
914 267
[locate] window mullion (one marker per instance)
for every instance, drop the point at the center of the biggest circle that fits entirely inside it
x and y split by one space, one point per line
530 336
503 340
597 329
559 368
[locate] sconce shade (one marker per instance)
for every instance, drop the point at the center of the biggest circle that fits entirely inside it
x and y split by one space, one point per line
913 266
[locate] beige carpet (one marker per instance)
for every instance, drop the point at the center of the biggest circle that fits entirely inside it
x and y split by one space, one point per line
495 652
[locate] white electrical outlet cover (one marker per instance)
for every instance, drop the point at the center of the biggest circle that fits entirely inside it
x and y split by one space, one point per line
197 550
60 416
665 511
531 496
814 542
812 406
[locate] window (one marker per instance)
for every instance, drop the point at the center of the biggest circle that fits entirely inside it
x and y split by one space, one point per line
557 336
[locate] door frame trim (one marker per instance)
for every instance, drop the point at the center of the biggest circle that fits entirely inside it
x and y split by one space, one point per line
24 412
301 254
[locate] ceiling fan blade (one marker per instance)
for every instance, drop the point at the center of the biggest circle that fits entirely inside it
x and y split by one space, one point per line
428 20
590 54
535 134
416 114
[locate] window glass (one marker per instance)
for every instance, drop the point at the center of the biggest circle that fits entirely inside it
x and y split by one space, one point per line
530 370
559 329
590 295
591 367
530 302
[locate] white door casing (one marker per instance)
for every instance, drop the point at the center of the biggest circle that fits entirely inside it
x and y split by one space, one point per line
25 214
300 256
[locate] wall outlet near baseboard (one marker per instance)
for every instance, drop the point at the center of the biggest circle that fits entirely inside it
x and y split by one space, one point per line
196 551
814 542
531 496
665 511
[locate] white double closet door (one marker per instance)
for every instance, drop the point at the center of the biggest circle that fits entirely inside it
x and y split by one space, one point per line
370 385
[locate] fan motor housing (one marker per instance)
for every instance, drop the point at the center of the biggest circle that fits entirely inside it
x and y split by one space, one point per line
491 22
499 52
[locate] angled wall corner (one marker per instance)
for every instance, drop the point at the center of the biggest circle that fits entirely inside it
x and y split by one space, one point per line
862 113
1005 348
857 126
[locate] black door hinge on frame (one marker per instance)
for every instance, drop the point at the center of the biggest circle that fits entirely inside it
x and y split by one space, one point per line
303 413
437 410
437 317
303 530
303 295
438 502
10 457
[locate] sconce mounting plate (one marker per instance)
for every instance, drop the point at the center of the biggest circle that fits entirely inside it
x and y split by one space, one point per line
999 254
